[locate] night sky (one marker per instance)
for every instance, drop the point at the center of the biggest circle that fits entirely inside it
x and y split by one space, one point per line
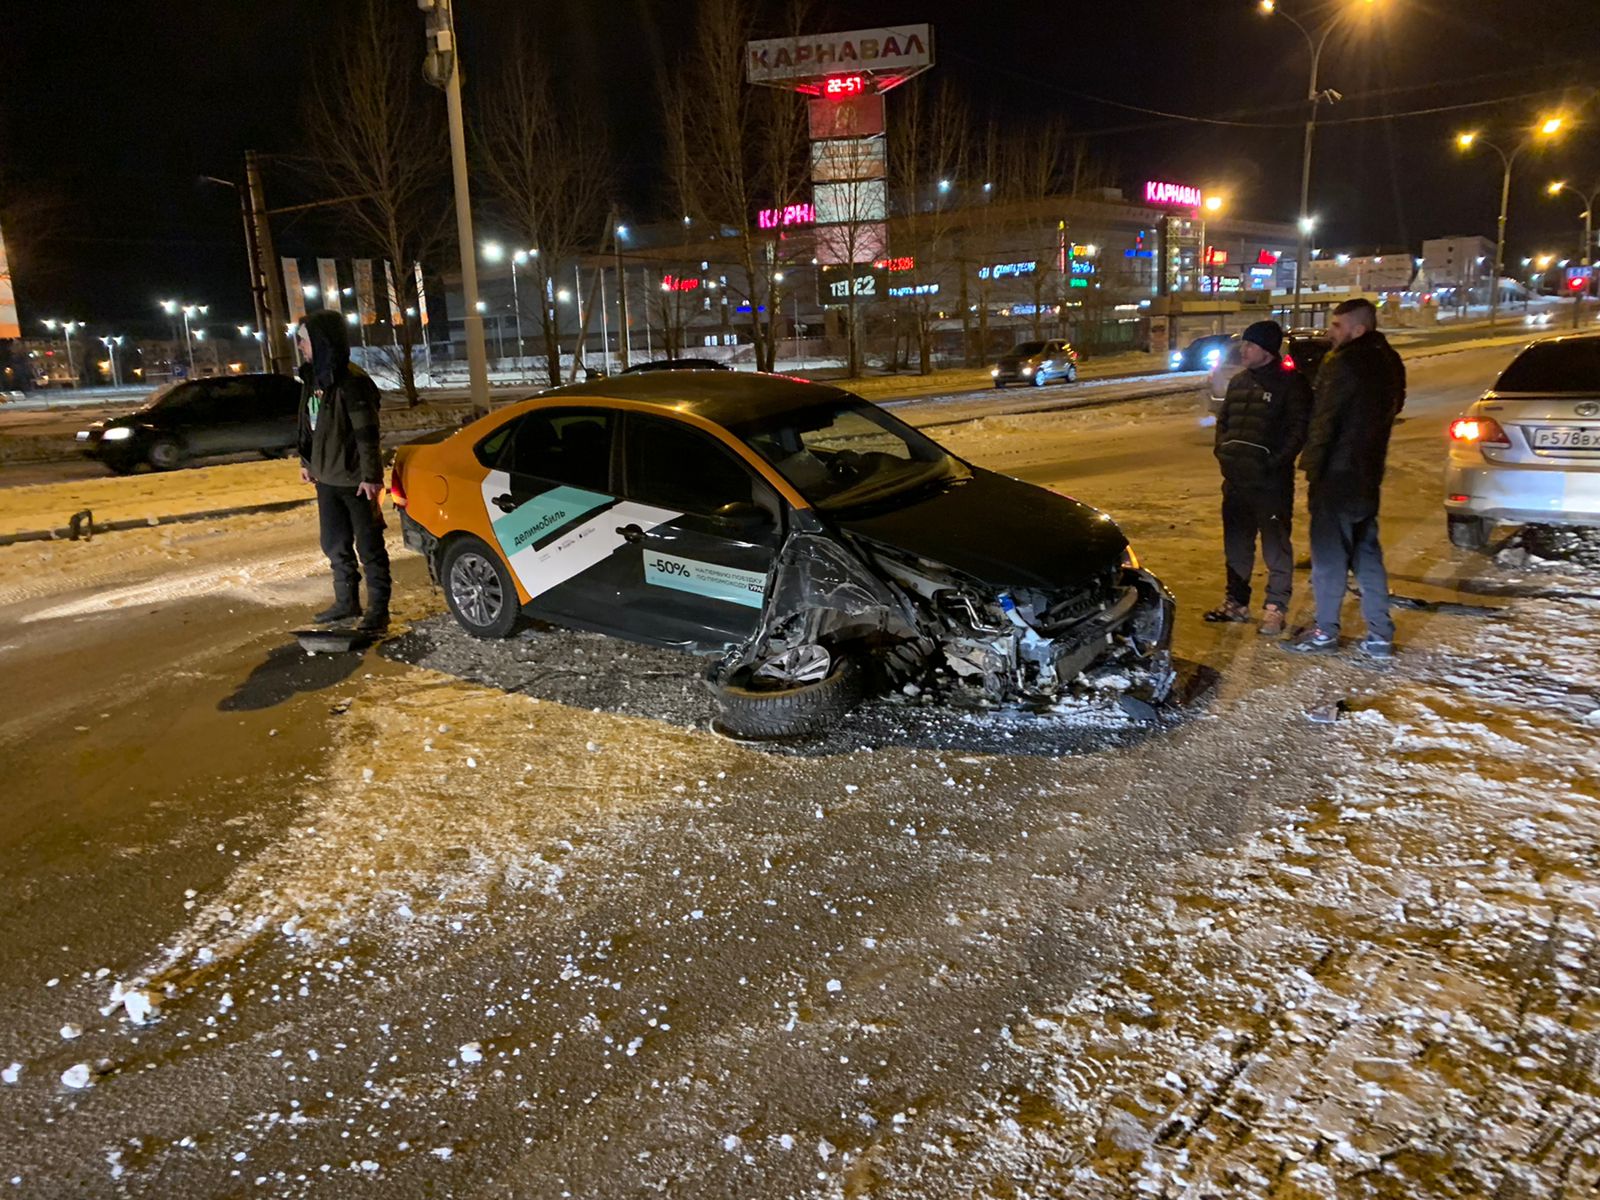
110 110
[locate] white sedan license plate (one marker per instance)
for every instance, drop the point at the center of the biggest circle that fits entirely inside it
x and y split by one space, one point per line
1568 438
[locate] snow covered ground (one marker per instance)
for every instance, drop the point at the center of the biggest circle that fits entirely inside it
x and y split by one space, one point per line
510 921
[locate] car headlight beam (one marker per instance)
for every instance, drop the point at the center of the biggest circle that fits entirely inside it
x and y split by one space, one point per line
117 433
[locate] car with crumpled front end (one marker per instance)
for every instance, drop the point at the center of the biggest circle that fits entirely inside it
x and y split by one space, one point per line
811 545
1527 451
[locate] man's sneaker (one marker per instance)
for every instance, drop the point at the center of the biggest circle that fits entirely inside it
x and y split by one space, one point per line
1272 618
1230 611
1313 641
1377 647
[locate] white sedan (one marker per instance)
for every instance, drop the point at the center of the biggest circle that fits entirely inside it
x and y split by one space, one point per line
1528 450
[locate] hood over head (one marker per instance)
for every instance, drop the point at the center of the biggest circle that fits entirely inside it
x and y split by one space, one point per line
330 347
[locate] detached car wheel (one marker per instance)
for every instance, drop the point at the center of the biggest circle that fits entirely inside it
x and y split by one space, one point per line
165 454
479 590
751 711
1469 533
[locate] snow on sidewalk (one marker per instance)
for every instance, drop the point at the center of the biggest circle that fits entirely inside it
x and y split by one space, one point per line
151 496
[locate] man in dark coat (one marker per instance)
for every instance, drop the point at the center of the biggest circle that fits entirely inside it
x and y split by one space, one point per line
1360 388
1261 428
339 454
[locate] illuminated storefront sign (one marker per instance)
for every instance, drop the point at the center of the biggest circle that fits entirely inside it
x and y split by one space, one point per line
1268 258
1082 267
915 289
895 265
789 214
1007 270
1172 195
678 283
837 87
896 49
1215 257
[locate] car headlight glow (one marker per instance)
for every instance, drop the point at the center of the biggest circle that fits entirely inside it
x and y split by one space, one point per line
1175 359
1213 357
1027 370
117 433
995 371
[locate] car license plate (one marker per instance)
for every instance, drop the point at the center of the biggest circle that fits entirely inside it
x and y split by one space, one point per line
83 435
1571 437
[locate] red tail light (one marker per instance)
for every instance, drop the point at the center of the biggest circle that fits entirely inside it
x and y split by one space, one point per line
1485 431
397 491
1288 362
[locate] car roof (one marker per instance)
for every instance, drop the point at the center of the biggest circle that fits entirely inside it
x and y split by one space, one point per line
726 398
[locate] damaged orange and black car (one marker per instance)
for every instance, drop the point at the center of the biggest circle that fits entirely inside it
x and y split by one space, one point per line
816 547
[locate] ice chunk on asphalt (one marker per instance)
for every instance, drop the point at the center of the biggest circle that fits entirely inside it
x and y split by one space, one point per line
11 1073
70 1031
835 986
471 1052
441 1152
732 1142
140 1005
77 1076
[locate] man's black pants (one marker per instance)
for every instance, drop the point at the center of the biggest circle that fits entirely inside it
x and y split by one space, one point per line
353 525
1268 514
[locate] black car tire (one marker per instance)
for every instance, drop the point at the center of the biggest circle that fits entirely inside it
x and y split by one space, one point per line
1072 374
790 712
998 384
468 564
165 454
1038 379
1469 533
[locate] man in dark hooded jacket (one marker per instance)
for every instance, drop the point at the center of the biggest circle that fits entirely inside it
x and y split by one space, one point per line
1261 428
339 454
1360 389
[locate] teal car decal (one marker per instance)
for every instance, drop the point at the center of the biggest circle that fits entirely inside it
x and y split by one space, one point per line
706 579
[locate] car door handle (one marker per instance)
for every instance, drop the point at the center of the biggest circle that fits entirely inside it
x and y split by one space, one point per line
505 502
631 533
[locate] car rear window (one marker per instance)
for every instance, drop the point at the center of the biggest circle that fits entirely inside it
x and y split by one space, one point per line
1570 365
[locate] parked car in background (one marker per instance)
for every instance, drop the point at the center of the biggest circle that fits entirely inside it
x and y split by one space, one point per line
201 418
1528 450
1037 363
1303 350
678 364
810 544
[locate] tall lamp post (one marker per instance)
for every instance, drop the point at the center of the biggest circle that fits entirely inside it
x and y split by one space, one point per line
66 328
1546 128
1555 189
111 344
247 331
1315 95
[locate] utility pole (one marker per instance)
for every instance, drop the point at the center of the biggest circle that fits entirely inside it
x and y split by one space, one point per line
272 308
442 68
618 230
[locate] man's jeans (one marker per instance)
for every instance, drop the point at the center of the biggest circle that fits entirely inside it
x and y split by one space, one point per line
351 524
1341 542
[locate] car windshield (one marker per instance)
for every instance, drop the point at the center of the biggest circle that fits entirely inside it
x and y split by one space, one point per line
1028 349
1566 366
850 454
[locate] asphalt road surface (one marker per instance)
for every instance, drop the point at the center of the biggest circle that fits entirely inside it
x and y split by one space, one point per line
478 920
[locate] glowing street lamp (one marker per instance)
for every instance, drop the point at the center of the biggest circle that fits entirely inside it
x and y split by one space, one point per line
1589 199
112 341
1548 127
66 328
1315 95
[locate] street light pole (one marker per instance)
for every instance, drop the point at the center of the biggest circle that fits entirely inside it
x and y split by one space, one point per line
517 256
618 232
1555 189
111 344
1549 127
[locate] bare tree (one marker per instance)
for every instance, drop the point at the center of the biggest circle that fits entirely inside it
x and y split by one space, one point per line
734 150
539 162
927 144
377 141
1035 168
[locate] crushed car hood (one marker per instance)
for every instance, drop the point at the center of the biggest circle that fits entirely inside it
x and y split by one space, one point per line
998 531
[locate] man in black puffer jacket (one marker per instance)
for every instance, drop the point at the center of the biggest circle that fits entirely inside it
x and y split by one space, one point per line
1261 428
1360 388
339 453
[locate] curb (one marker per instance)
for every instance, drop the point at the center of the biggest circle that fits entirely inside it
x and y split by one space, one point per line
83 526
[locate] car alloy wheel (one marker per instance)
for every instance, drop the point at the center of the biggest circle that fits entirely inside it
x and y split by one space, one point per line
475 588
801 664
165 454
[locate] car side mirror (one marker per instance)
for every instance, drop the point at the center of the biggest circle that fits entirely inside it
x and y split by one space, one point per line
745 516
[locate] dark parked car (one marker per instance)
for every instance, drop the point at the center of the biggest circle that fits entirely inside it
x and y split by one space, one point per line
231 414
1303 349
1205 352
811 544
1037 363
678 364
